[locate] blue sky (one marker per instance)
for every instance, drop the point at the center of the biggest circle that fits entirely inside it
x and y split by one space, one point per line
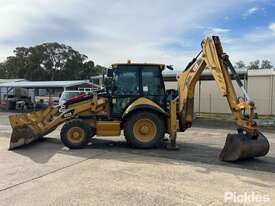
160 31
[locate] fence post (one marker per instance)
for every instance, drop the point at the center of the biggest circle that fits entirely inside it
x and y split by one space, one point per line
272 88
210 103
199 97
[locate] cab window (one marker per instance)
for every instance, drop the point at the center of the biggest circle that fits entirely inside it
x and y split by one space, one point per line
152 81
126 81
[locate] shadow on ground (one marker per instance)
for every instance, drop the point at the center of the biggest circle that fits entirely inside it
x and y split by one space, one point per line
209 123
40 152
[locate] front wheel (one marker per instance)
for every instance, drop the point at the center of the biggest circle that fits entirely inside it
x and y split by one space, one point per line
144 129
76 134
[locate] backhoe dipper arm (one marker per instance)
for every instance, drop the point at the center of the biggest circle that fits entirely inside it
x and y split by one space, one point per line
213 57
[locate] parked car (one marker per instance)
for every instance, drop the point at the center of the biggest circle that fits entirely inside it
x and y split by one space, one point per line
16 102
68 94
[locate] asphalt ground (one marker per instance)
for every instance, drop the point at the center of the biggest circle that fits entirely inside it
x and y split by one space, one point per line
109 172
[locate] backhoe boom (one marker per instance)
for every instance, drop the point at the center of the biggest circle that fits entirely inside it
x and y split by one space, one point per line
213 58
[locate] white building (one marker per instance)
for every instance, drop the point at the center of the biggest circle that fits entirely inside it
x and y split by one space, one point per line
260 85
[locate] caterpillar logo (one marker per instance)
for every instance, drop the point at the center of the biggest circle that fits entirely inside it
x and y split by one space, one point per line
68 114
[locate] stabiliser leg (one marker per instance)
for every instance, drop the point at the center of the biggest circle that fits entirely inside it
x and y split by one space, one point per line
173 126
173 143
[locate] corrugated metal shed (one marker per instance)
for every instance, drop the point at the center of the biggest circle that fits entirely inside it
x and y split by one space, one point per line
10 80
261 72
206 75
44 84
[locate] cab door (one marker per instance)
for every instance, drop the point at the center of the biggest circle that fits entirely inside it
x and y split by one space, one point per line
153 85
126 88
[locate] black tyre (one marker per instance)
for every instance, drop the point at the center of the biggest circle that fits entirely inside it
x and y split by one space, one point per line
76 134
144 129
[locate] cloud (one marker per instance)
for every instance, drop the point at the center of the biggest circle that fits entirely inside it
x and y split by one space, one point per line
114 31
252 11
248 54
261 35
216 31
272 28
223 33
257 44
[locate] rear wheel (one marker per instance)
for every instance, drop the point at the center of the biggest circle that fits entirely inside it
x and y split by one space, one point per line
144 129
76 134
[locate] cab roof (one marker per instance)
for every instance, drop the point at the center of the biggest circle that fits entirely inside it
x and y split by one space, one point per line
115 66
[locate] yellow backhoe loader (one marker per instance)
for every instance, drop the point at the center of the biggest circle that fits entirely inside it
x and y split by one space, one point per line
137 103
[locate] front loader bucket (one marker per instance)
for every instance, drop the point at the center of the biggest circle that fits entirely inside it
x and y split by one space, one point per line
22 135
29 127
243 146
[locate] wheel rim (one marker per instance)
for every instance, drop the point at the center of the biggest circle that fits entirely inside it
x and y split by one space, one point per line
145 130
76 134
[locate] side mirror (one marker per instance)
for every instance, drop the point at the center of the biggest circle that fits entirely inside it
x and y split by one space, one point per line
109 73
170 67
171 94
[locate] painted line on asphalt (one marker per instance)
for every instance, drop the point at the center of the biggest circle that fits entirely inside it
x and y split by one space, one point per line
51 172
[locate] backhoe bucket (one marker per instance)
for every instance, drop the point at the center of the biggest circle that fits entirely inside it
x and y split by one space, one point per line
243 146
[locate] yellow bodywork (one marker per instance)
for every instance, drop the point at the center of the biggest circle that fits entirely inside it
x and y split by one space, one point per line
142 101
108 128
45 121
32 126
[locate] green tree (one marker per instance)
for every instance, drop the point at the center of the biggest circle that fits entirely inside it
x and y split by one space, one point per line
3 73
266 64
100 69
254 65
48 61
240 65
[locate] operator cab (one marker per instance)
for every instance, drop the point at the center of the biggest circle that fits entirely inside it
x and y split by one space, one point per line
132 81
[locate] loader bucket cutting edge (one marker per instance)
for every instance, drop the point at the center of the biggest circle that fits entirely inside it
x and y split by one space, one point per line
22 135
243 146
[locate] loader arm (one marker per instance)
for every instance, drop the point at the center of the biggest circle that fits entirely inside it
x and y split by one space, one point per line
30 127
213 58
